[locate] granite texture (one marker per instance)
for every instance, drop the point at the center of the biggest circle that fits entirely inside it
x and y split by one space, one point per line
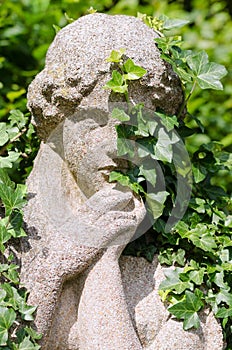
76 70
77 222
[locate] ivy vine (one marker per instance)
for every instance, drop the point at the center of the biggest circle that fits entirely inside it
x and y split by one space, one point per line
199 245
16 315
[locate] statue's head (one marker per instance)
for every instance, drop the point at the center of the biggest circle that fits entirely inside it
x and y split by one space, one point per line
76 70
71 110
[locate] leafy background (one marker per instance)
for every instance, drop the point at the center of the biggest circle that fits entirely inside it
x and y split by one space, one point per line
27 28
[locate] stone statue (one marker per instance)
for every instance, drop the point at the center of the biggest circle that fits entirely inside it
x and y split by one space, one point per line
78 223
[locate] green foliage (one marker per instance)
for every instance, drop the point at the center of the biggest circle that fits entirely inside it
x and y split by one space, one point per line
191 66
15 313
18 143
119 82
201 241
188 308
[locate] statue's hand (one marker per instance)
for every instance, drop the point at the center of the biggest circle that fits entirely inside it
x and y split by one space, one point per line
109 217
118 214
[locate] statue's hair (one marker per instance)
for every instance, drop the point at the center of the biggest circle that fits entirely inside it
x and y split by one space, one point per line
76 70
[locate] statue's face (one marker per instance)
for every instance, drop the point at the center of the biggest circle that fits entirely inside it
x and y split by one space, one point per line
91 152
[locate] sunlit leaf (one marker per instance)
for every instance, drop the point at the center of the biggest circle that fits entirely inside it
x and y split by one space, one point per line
173 281
156 202
7 318
4 137
7 161
187 310
116 56
149 173
133 71
26 344
169 23
125 180
116 84
207 74
12 199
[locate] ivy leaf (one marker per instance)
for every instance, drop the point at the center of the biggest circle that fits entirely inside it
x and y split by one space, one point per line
173 281
12 274
168 257
116 83
167 121
17 117
125 180
32 333
116 56
14 299
187 310
13 131
163 148
5 235
26 344
142 124
224 312
7 318
199 172
215 192
197 276
12 199
2 293
169 24
152 125
165 44
5 179
218 279
207 74
6 162
197 61
156 202
224 296
89 11
3 134
152 22
27 311
124 144
179 257
202 237
15 225
198 204
148 172
210 75
133 71
119 114
184 76
145 147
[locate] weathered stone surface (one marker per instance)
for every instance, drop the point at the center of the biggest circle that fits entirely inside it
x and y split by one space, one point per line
76 70
53 255
78 222
140 281
155 328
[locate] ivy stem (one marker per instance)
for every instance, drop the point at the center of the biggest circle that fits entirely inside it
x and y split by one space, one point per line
186 100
